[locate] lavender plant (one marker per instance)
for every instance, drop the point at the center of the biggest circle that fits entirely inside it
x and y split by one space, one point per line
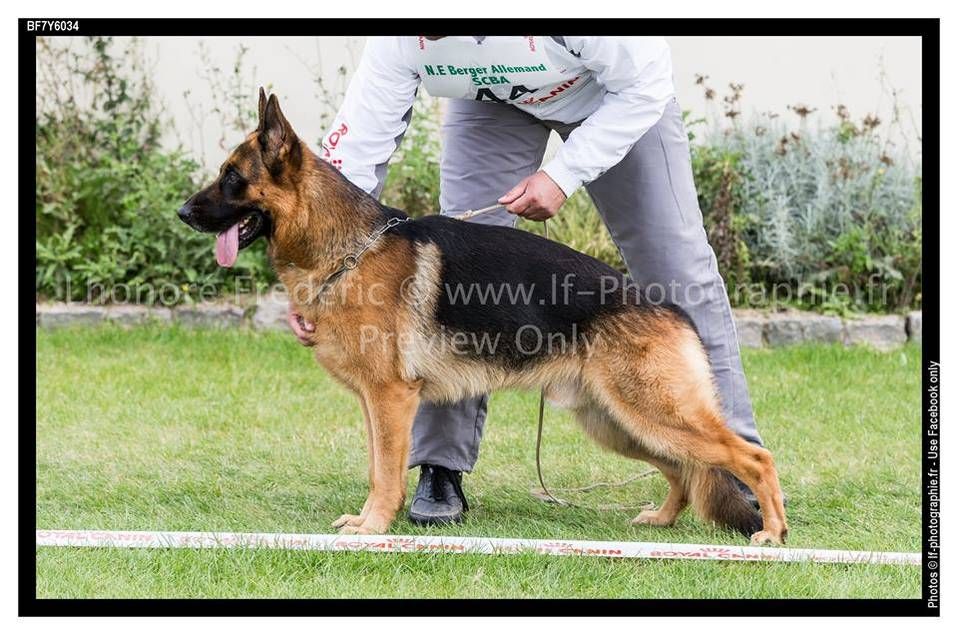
831 211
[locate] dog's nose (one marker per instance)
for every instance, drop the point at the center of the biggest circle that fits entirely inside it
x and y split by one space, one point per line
185 212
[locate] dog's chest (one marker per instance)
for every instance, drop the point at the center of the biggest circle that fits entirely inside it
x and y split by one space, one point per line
328 347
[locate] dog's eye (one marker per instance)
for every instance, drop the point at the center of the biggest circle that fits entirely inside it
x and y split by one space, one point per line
232 183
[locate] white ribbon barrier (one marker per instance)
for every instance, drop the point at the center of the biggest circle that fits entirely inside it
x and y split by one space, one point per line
456 544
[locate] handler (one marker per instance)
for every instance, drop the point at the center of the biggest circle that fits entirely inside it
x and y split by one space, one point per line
612 102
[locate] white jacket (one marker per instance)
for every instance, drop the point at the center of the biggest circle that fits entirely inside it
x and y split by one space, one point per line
617 86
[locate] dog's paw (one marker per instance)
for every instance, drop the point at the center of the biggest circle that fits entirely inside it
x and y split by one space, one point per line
652 517
764 537
372 524
347 520
355 529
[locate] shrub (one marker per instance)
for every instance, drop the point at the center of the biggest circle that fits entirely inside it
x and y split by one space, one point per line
719 176
828 213
412 182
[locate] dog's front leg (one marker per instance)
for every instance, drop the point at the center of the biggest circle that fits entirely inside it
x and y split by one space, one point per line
352 519
391 409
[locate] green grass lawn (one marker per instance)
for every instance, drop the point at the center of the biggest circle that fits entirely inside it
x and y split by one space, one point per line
162 428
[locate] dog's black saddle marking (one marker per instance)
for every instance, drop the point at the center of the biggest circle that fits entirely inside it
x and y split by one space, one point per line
524 288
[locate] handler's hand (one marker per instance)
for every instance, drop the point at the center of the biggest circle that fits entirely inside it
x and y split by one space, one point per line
300 326
536 197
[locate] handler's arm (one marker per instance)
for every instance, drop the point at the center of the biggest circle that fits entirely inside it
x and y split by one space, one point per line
637 73
374 114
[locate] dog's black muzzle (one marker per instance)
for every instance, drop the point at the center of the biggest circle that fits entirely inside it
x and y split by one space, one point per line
213 219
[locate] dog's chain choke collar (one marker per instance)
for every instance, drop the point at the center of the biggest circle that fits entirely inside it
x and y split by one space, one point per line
351 261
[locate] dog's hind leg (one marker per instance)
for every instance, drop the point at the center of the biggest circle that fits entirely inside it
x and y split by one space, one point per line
354 519
675 501
605 431
662 396
392 408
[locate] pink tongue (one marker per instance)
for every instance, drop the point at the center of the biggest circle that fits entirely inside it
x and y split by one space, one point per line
227 246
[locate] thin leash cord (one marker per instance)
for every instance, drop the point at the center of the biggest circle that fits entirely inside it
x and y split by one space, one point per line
476 212
545 490
547 495
542 482
542 411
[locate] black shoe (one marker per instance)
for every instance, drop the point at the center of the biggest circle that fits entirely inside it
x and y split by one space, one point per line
750 495
439 499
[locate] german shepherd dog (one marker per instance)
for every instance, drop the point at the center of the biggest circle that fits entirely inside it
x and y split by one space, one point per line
641 384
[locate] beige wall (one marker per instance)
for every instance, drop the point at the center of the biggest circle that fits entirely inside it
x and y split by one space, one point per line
818 71
777 72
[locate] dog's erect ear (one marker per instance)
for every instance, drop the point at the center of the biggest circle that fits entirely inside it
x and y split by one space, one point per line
262 107
276 136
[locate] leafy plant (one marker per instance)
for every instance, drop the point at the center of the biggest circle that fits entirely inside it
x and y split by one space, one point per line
829 213
719 177
412 182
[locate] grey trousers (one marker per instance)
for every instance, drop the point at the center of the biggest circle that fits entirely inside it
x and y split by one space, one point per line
649 205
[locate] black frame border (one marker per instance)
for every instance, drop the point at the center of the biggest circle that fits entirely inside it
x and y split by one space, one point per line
928 605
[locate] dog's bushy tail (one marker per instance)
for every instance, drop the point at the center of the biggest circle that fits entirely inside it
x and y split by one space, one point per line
715 496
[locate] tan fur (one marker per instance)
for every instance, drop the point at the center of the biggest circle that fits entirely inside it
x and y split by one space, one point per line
642 387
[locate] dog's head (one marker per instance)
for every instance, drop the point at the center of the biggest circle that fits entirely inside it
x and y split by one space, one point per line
247 198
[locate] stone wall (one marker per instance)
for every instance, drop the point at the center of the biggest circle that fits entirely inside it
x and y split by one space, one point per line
756 329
